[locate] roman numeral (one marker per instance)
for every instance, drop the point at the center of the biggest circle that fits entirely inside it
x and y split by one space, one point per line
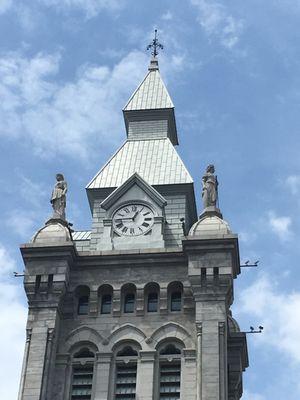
134 208
145 224
131 231
121 215
148 212
126 210
119 225
124 229
148 219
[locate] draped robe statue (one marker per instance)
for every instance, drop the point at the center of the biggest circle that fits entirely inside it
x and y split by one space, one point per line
209 187
58 197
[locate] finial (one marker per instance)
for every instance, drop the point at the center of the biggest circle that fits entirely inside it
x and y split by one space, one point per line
155 45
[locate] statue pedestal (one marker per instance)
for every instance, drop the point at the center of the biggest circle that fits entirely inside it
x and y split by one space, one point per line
57 220
210 212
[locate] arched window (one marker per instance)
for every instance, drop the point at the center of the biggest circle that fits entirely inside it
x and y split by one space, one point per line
82 375
106 304
169 372
105 293
152 303
151 292
176 301
83 297
128 295
175 290
129 303
125 378
83 305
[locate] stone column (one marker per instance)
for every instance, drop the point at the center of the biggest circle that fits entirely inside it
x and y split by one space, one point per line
145 375
199 360
163 303
188 375
25 361
117 303
62 377
102 376
94 301
140 301
33 378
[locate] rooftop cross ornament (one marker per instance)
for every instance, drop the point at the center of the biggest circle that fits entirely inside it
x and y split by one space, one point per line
155 45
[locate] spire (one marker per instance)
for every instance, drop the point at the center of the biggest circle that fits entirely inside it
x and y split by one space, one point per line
149 113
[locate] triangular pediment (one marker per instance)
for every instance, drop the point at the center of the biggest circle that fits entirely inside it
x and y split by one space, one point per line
135 179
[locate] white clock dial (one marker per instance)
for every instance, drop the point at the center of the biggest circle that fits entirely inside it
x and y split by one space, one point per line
133 220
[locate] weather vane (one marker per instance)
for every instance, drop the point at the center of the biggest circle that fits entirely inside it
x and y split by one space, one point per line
155 45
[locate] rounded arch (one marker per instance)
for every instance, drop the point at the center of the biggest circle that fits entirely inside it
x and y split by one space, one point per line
83 349
128 297
82 290
151 286
126 333
152 297
175 296
125 344
170 346
105 288
175 285
172 331
83 335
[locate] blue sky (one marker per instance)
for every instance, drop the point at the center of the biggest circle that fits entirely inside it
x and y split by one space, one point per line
67 68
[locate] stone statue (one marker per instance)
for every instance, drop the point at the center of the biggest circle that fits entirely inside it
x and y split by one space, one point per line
58 197
209 187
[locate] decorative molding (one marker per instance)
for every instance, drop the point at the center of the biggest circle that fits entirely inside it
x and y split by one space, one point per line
28 335
172 330
126 332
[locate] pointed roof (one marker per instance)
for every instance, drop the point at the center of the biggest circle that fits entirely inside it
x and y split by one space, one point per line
156 161
151 93
151 102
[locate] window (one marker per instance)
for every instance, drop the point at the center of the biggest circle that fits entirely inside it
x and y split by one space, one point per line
82 378
106 304
169 372
175 301
83 305
82 294
129 303
125 385
152 302
82 383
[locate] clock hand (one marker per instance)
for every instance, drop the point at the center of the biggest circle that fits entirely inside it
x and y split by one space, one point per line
133 218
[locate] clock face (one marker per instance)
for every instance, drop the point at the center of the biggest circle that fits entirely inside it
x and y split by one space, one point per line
133 220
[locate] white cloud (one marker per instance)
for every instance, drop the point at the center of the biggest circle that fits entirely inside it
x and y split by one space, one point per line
293 183
218 23
277 311
252 396
7 263
280 225
66 118
167 16
5 5
22 223
12 327
90 7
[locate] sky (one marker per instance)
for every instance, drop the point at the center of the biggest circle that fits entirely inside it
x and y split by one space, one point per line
67 68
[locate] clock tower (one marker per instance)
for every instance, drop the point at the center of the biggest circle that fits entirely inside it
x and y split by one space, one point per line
138 307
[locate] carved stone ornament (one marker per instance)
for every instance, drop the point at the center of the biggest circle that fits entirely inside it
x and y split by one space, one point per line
58 197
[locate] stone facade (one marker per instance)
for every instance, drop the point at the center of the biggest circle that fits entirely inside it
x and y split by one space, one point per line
143 317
